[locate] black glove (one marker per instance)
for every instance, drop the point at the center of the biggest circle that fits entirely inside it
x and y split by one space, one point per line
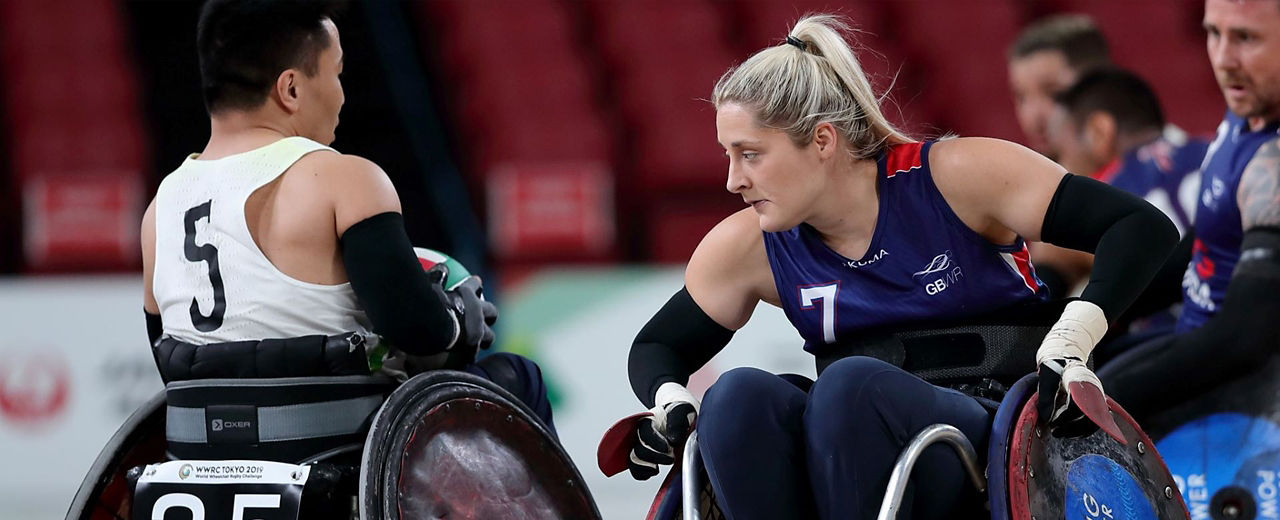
475 315
1055 406
658 435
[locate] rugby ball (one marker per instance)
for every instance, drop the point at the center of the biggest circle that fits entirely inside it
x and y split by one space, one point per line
430 257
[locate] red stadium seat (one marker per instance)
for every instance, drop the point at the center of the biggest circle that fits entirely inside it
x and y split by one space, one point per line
677 225
766 22
72 111
957 49
522 93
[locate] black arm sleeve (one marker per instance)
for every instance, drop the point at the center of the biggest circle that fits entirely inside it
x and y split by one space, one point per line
155 327
409 311
1166 288
676 342
1130 239
1237 340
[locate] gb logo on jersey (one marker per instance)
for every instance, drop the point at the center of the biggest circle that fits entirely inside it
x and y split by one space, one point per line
939 275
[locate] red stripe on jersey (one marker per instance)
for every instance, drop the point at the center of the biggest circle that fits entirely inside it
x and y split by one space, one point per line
902 158
1108 172
1022 259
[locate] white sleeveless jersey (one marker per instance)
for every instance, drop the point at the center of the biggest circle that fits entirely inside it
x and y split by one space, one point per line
211 281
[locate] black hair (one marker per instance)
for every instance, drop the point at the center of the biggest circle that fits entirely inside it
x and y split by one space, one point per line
1118 92
244 45
1074 35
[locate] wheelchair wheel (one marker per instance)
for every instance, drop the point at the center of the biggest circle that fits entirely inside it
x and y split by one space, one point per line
1090 476
452 445
105 492
1223 446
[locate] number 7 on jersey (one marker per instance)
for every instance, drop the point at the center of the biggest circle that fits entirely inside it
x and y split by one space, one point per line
824 296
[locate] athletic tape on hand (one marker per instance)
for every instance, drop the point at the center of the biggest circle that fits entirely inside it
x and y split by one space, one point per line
670 392
1080 328
1078 372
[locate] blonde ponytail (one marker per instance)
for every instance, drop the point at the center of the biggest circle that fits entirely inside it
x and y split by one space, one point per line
811 78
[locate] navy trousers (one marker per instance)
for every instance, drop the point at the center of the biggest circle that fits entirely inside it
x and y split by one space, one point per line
775 449
520 376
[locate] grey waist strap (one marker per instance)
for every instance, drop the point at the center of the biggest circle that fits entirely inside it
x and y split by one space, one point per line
278 423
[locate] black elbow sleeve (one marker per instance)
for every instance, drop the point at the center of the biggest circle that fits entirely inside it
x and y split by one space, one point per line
676 342
1130 239
406 308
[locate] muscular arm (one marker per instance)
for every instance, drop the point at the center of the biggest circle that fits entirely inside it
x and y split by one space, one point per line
148 234
727 275
403 304
729 271
1023 193
1259 192
149 306
997 188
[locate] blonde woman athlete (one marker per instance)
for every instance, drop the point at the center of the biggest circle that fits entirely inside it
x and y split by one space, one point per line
853 225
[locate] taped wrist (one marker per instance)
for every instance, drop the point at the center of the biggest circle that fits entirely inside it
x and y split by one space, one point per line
672 392
1130 239
403 304
676 342
1080 328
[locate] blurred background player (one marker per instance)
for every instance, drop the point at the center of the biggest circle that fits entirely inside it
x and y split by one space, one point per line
853 226
1048 56
1228 326
270 234
1109 125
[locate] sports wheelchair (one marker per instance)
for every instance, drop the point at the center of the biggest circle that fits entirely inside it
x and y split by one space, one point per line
1031 473
441 444
1223 446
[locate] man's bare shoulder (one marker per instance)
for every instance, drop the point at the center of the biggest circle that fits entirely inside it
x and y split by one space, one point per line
1259 192
333 167
357 187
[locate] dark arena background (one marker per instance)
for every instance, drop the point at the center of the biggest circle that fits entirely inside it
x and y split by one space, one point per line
565 150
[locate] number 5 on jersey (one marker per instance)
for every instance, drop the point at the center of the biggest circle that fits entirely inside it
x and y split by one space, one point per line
824 296
208 254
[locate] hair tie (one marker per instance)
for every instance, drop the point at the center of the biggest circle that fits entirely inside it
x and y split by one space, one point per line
792 40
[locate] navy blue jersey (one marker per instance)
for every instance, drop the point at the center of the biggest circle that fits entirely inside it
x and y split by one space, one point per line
923 263
1165 172
1218 230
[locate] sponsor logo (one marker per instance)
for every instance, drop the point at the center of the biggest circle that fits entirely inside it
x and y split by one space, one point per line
854 264
34 387
1196 278
941 273
218 425
226 471
1198 291
184 471
1212 194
